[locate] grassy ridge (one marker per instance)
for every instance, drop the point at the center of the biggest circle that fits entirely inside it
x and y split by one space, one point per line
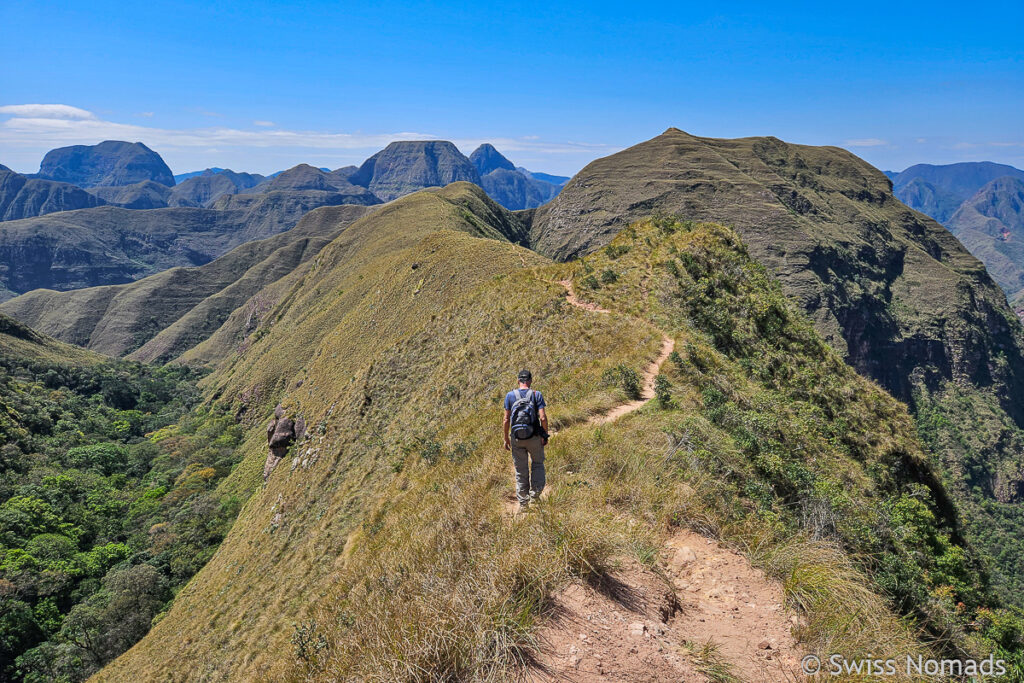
379 550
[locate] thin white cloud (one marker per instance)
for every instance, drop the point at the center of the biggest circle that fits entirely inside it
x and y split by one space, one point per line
145 114
32 130
865 142
47 111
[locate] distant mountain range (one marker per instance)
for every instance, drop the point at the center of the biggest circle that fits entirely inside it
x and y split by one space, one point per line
96 241
982 203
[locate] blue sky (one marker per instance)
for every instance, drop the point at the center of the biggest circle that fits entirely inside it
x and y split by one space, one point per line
261 86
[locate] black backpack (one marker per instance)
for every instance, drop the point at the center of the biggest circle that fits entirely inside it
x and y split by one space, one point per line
524 416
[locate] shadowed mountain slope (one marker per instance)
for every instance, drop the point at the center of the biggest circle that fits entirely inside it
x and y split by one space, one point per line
991 225
380 549
204 188
109 163
111 245
144 195
511 187
404 167
938 190
170 312
20 342
24 197
893 291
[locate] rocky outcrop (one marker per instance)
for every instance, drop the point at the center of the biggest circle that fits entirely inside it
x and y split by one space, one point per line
24 197
109 163
280 436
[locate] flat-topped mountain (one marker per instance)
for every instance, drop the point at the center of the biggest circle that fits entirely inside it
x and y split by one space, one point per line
109 163
404 167
25 197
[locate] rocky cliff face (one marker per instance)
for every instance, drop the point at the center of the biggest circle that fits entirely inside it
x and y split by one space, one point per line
109 163
891 289
24 197
405 167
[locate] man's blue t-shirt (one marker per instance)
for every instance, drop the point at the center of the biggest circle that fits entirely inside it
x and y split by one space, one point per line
516 394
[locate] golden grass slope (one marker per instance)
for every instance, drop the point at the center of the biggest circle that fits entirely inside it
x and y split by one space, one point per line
379 549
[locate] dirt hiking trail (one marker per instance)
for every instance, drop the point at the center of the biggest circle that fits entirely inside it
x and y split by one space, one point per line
650 373
703 610
703 613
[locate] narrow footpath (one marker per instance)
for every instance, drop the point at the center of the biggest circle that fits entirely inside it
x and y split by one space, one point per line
705 614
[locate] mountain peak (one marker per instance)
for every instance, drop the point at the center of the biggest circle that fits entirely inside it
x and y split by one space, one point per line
486 159
409 165
110 163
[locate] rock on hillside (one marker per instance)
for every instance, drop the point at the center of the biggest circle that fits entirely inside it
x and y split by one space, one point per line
404 167
24 197
170 312
892 290
108 163
991 225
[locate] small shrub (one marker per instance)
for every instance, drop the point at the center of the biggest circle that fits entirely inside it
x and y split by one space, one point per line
308 641
663 391
590 282
625 378
608 277
614 251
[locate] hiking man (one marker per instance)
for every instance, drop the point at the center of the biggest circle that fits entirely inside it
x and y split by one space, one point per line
526 433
